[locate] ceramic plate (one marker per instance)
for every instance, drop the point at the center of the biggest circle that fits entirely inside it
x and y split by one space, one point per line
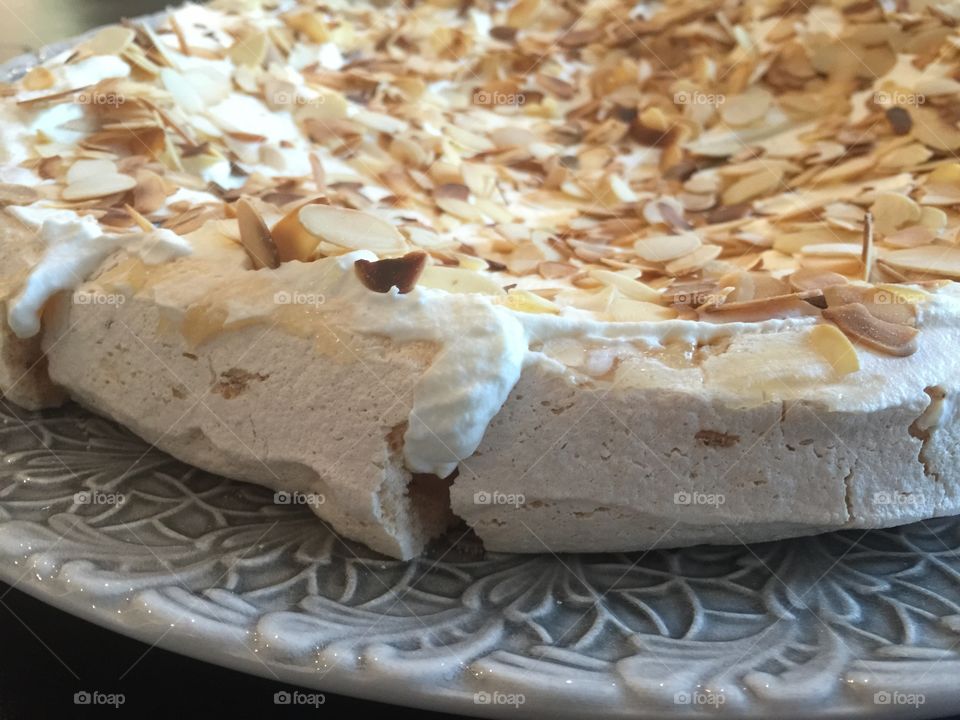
96 522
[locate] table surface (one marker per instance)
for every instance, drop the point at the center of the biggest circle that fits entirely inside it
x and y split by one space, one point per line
48 656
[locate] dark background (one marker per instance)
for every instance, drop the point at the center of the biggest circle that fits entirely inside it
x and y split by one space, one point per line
46 655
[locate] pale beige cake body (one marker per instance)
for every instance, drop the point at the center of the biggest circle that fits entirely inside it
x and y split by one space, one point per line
423 266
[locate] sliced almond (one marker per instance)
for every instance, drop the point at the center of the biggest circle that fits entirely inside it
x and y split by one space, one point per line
351 229
250 50
831 344
629 286
663 248
293 240
624 309
528 302
861 326
11 194
910 237
892 211
255 237
781 306
693 262
806 279
883 303
383 275
929 260
459 280
753 186
98 186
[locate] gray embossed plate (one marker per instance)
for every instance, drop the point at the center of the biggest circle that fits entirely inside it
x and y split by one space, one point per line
94 521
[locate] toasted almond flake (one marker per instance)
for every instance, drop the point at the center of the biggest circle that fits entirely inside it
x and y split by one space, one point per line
459 208
910 237
833 250
693 262
753 186
933 218
892 211
150 193
383 275
807 279
860 325
933 131
887 305
834 347
528 302
98 186
554 270
250 50
629 286
781 306
351 229
930 260
624 309
255 237
111 40
459 280
663 248
747 108
39 78
470 262
11 194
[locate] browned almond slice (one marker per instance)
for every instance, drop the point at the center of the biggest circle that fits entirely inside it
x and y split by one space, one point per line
401 273
781 306
553 270
882 303
934 260
292 239
813 279
861 325
98 186
662 248
351 229
16 194
255 237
